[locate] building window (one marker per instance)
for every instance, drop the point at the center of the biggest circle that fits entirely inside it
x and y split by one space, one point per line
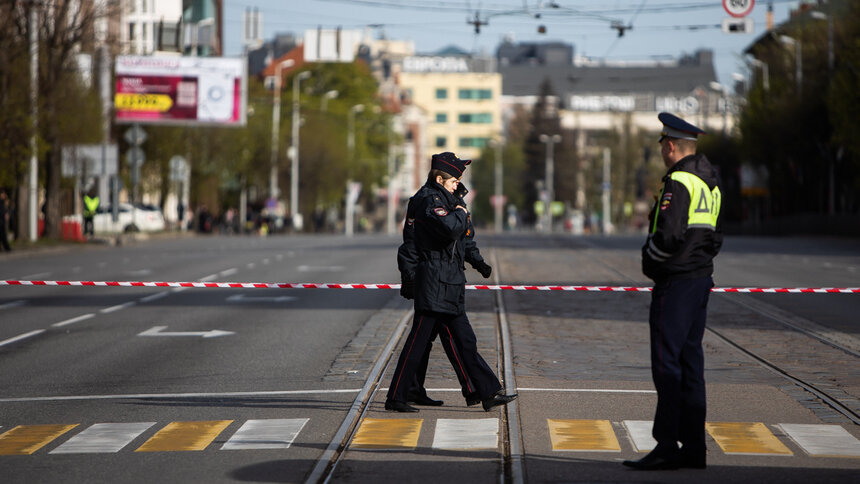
473 142
441 93
441 117
476 94
441 141
475 118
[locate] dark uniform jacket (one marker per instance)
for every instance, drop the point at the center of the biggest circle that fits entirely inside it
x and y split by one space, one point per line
437 240
674 249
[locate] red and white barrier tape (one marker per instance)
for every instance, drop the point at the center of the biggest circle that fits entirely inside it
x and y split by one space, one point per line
311 285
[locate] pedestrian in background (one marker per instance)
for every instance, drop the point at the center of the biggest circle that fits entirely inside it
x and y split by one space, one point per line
5 208
91 206
685 236
441 227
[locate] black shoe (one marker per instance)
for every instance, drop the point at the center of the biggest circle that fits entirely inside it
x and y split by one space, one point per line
423 400
655 461
692 460
496 400
473 399
399 406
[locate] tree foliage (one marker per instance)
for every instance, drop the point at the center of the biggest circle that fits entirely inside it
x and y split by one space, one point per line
807 135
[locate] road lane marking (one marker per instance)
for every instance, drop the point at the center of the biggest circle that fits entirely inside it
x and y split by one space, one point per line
159 331
582 435
21 336
457 434
273 393
640 434
36 276
581 390
266 434
228 272
746 438
209 278
387 433
823 440
241 298
26 439
13 304
103 438
117 307
74 320
184 436
154 297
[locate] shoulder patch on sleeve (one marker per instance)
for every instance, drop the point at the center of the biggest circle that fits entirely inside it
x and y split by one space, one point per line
440 211
666 201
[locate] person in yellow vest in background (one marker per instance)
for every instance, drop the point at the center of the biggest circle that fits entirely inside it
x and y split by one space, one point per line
91 205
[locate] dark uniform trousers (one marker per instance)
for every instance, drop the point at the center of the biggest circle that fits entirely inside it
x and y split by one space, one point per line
479 377
677 322
451 352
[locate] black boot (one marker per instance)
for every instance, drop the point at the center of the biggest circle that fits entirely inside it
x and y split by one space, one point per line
399 406
497 399
423 399
656 460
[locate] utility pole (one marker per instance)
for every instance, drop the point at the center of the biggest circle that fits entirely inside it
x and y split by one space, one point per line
32 183
550 175
607 186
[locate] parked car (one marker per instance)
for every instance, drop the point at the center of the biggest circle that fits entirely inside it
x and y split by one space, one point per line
139 218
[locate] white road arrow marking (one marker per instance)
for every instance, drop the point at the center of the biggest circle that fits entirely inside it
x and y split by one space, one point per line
241 298
159 331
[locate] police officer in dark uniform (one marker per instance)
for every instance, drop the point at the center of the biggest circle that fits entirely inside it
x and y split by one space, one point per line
685 235
443 241
407 262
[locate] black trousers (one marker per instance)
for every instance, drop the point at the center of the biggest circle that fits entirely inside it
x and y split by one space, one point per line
677 324
448 345
480 377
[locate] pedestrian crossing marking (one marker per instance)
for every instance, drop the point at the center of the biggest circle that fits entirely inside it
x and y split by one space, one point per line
266 434
103 438
466 434
750 438
179 436
823 440
640 434
387 433
583 435
454 434
26 439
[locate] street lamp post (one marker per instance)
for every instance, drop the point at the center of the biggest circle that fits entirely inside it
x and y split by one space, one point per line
798 61
350 149
324 102
550 168
498 145
276 126
831 202
294 172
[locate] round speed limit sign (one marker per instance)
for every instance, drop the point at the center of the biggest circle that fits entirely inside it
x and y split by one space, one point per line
738 8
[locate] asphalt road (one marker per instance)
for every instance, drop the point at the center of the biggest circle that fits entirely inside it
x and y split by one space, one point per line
294 359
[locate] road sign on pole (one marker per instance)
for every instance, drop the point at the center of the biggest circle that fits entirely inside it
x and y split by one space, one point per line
135 135
738 8
738 25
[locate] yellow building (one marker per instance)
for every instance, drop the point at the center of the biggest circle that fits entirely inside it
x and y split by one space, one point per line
460 98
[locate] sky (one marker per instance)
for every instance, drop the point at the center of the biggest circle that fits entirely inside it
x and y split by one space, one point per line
659 29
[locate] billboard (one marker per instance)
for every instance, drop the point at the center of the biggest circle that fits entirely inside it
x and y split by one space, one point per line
181 90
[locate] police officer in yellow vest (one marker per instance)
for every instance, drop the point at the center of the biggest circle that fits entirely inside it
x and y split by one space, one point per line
91 205
684 237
